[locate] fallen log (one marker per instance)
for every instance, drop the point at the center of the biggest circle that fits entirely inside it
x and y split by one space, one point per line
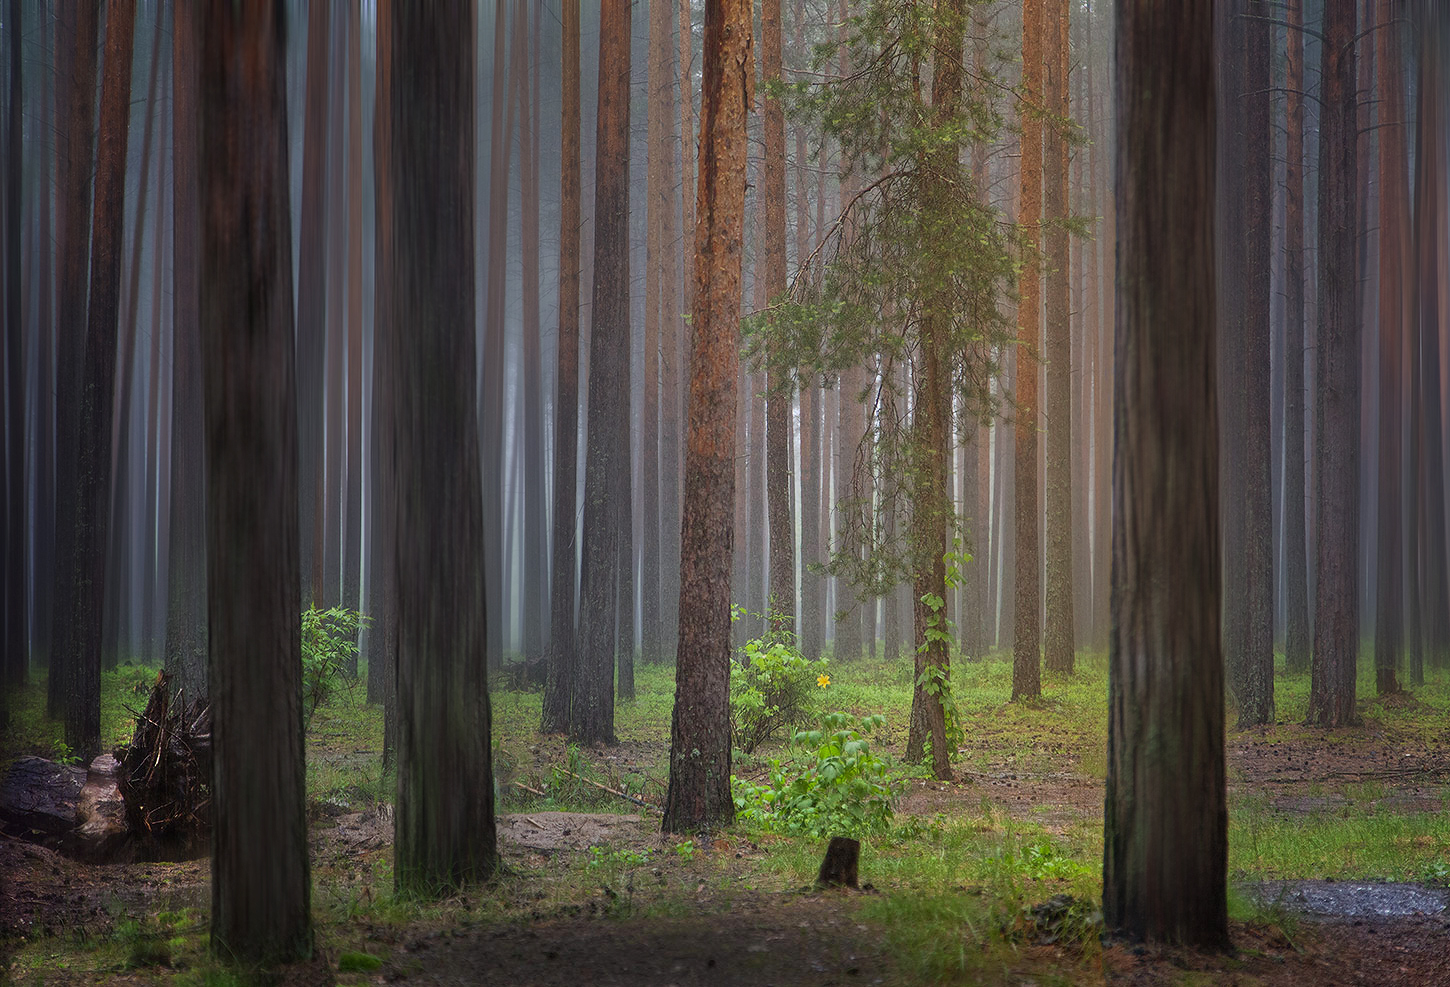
38 800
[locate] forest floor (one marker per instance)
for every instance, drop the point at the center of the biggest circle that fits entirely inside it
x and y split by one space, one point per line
1338 860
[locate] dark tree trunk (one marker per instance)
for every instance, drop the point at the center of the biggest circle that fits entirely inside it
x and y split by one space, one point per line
15 642
563 662
260 902
312 303
83 699
607 458
445 810
334 406
186 628
1058 632
1027 630
698 797
1296 551
1337 411
1166 822
76 44
1393 254
352 504
779 438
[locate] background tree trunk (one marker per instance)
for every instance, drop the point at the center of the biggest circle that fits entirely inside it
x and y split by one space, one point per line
1337 411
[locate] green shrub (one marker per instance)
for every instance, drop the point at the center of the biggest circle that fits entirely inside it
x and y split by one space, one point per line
329 645
774 687
839 788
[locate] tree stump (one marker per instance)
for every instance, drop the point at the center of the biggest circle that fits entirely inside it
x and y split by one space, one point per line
839 867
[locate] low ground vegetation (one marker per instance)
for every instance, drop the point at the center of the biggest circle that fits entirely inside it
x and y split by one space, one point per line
992 878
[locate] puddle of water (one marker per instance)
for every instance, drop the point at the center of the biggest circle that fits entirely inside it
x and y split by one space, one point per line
1350 899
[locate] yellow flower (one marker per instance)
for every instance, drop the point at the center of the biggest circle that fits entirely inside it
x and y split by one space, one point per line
823 680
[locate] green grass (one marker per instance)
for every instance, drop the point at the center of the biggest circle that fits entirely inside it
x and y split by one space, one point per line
953 886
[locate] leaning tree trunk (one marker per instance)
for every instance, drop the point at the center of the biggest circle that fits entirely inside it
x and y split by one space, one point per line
1165 836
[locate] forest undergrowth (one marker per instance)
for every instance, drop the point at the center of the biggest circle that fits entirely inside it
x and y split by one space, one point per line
994 877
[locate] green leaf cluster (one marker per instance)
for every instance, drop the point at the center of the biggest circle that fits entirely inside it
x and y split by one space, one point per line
837 787
773 687
329 646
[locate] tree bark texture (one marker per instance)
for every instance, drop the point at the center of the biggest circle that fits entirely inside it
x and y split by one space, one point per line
1027 630
1166 823
607 455
15 642
1337 411
698 797
445 809
260 902
1296 550
1058 632
93 494
563 668
779 438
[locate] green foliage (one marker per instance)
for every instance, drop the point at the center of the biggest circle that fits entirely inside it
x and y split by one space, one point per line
837 788
65 754
772 688
615 871
329 646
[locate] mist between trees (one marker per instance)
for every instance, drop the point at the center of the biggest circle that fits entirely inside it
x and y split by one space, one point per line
900 220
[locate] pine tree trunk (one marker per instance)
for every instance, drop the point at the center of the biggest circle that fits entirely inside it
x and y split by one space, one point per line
1027 630
260 902
83 700
607 457
1337 411
1058 636
563 667
698 797
445 810
1166 821
535 583
352 504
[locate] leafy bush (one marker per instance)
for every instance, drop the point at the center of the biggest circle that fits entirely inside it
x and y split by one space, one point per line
329 645
772 688
840 788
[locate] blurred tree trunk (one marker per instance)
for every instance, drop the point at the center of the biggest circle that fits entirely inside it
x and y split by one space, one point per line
779 436
76 35
1166 821
1058 632
535 561
607 455
1296 552
812 589
15 641
1430 217
41 574
1027 633
94 469
491 394
186 622
445 810
699 797
563 660
260 901
1337 412
312 304
1245 202
1393 253
659 306
353 478
334 403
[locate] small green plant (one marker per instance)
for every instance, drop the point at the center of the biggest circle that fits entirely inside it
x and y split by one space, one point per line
773 687
358 963
839 787
65 753
686 850
329 645
616 874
